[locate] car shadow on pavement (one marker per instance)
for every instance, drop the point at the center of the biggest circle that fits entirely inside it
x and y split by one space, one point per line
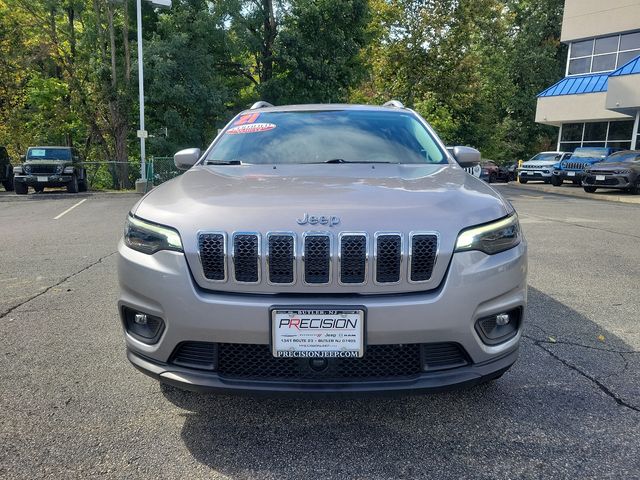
570 404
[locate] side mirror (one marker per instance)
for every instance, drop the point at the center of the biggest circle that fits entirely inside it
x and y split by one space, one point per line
187 158
23 158
466 156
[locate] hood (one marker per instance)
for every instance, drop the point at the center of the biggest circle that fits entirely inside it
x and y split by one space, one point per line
542 163
365 198
611 166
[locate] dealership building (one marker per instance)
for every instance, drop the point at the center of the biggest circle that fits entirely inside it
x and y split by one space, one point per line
598 102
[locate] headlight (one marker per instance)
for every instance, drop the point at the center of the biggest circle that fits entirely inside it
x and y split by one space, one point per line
149 238
66 169
491 238
622 172
17 169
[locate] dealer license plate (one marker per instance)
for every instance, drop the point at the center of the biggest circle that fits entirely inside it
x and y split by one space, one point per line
600 178
571 174
317 333
43 179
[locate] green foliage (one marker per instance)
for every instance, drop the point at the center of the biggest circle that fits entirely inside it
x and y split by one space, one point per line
471 67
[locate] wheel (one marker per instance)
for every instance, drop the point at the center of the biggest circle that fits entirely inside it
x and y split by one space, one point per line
20 188
8 185
72 186
556 181
635 190
39 188
523 181
590 189
492 178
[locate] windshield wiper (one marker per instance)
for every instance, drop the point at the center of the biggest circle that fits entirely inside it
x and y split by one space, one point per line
223 162
342 160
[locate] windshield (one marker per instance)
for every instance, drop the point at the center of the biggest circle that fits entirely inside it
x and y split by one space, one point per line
590 153
49 154
336 136
541 157
623 157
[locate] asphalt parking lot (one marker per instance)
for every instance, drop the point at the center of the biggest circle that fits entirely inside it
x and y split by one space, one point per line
72 407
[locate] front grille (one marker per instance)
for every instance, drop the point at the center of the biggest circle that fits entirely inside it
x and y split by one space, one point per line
256 362
317 260
424 249
312 262
212 255
281 258
353 258
389 256
574 165
43 168
246 258
606 181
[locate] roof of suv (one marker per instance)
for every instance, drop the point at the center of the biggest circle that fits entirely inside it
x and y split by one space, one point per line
324 107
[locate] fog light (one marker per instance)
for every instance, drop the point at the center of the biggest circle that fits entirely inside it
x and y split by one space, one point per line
142 326
499 328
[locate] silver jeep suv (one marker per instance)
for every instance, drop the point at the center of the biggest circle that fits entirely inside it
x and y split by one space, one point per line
323 248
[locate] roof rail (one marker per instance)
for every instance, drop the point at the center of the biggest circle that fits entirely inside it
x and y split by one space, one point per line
260 104
394 104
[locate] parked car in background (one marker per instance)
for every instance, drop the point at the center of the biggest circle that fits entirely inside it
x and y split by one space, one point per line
492 172
620 170
50 167
573 168
6 170
512 170
540 166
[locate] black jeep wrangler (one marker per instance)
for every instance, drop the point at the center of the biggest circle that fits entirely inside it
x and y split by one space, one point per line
50 167
6 170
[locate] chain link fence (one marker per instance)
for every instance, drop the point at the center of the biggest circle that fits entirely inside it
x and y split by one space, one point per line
123 175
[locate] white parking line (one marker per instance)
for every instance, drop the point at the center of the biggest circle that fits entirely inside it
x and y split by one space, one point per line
70 208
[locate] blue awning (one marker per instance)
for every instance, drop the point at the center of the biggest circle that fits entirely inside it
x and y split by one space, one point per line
593 83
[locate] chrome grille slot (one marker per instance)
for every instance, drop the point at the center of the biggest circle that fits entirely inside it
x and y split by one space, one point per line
212 248
281 258
388 258
423 253
246 257
353 258
317 259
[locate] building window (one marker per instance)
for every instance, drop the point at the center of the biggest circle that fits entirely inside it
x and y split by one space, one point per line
596 134
602 54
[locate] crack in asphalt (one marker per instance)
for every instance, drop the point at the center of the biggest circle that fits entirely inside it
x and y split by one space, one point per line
592 379
60 282
574 344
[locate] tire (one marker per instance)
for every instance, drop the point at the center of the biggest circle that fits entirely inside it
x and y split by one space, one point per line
492 178
556 181
20 188
8 185
39 189
523 181
590 189
72 186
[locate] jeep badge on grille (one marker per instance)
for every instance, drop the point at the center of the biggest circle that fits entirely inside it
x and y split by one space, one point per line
330 220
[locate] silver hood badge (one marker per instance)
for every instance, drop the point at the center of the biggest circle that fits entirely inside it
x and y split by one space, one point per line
330 220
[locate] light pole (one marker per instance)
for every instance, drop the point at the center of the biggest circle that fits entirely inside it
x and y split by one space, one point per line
142 133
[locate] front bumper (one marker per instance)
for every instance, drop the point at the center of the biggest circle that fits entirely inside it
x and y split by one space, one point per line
623 181
46 180
476 286
570 175
535 174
